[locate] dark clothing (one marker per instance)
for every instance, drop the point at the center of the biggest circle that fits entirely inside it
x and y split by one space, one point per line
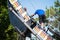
28 33
42 18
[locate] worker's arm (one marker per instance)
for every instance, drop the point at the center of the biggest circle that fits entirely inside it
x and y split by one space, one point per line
32 15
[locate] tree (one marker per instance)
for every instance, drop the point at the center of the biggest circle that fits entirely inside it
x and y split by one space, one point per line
7 31
57 3
50 12
54 11
47 13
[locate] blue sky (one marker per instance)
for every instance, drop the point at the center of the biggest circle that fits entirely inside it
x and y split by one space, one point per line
33 5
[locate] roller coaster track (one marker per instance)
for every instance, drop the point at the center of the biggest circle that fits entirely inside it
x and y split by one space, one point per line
21 21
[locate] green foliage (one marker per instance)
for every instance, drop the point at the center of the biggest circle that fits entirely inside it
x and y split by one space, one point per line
10 33
3 3
47 13
54 11
57 3
50 12
7 31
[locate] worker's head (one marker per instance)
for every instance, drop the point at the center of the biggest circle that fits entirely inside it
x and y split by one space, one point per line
40 12
25 9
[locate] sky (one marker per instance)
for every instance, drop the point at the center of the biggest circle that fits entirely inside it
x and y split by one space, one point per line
33 5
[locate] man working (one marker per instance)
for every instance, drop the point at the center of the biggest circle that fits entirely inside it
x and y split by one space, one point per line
41 15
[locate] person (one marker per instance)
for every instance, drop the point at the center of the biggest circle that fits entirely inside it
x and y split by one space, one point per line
41 15
25 8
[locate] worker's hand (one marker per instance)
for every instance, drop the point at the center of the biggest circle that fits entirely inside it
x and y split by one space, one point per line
31 16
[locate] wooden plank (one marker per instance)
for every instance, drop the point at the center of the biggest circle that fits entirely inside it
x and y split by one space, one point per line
21 10
42 34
